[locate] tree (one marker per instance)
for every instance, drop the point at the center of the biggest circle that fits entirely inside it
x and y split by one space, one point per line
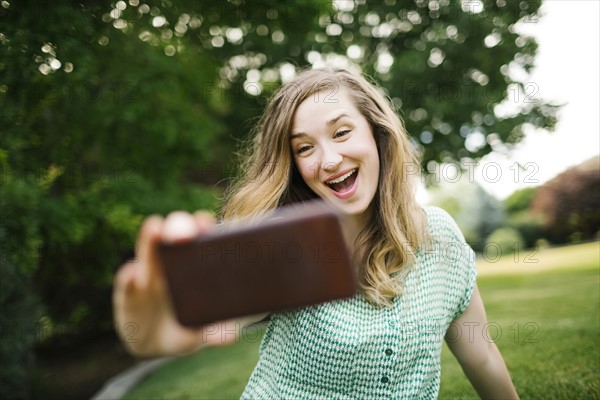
447 65
519 200
504 241
569 204
520 218
476 212
99 129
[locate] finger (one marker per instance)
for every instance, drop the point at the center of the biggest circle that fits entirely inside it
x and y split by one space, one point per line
123 283
179 226
146 249
204 220
148 235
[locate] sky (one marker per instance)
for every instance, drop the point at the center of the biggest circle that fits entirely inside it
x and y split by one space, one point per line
567 72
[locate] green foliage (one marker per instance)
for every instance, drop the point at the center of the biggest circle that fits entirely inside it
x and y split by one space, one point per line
528 224
476 212
449 70
519 200
519 217
20 239
86 154
505 240
120 139
444 65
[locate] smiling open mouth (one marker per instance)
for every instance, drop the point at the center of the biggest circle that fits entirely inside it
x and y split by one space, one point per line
344 182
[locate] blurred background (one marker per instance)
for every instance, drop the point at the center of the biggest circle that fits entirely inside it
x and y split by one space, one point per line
111 111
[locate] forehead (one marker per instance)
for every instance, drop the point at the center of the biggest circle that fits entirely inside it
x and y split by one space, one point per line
320 108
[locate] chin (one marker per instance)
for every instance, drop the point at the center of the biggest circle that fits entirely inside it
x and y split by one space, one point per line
352 209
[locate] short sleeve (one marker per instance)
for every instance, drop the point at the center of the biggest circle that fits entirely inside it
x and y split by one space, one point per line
470 279
458 257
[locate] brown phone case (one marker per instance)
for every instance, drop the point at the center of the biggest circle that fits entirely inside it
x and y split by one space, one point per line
296 258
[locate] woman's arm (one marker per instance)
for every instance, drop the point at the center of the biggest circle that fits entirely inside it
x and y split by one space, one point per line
478 355
142 308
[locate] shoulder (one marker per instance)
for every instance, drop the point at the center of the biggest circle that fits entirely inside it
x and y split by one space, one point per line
441 225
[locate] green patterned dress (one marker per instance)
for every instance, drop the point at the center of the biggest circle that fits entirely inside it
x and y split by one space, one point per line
349 349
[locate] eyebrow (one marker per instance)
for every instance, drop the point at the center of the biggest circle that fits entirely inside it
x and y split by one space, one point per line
329 122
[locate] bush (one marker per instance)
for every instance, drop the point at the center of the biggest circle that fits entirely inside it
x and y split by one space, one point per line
476 212
570 203
528 225
520 200
507 240
19 307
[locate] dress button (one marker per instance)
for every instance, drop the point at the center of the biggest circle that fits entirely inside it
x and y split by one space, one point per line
384 379
391 323
388 352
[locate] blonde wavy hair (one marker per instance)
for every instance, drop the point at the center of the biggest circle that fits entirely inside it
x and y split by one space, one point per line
269 179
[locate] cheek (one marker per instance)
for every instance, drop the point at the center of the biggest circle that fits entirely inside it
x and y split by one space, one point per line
306 170
372 154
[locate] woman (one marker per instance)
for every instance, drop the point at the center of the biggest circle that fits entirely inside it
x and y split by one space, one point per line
332 135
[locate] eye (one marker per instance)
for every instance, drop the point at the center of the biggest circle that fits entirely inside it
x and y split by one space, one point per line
302 149
341 133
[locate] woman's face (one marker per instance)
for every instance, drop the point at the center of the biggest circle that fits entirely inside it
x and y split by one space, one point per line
335 151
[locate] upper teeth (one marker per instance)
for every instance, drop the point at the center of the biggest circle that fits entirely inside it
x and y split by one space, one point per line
341 178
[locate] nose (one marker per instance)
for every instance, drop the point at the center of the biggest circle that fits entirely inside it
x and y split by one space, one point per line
331 160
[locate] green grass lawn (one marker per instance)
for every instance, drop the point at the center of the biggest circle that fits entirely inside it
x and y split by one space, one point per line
546 324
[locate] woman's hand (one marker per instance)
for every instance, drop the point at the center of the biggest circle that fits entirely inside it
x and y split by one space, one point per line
143 313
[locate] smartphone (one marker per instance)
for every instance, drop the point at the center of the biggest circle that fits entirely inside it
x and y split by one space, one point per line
296 257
